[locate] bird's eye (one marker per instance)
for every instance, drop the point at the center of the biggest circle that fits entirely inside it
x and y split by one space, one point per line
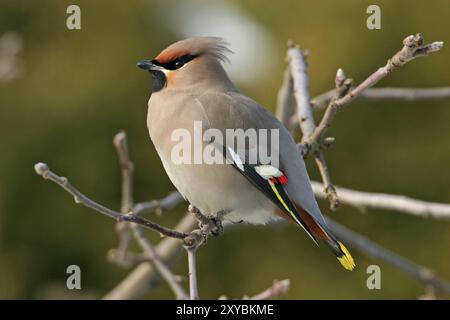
178 64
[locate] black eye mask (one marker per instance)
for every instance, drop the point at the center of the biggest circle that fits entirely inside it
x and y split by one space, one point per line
176 63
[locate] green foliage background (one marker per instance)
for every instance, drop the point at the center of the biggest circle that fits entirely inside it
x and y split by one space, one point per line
80 87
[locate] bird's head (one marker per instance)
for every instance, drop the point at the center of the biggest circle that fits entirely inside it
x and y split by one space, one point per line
187 63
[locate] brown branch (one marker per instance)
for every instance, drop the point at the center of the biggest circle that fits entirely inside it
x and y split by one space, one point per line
153 226
366 246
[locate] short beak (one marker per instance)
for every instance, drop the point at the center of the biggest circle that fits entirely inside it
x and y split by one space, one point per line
147 65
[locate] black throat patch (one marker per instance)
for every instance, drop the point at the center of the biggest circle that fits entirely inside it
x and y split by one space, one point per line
159 80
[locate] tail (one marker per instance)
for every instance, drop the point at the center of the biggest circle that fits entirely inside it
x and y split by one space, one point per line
322 232
342 254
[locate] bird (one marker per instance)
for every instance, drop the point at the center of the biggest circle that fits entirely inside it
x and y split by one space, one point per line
190 86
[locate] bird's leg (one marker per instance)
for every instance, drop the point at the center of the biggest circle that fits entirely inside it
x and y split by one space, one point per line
217 230
201 218
208 224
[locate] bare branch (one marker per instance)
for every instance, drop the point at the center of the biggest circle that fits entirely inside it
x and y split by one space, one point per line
159 264
132 259
277 289
380 94
298 67
314 140
168 202
286 104
43 170
419 273
193 287
143 277
153 226
121 255
121 144
385 201
127 169
328 187
299 74
207 226
123 228
412 48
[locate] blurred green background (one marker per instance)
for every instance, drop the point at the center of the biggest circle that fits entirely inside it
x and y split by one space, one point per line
73 90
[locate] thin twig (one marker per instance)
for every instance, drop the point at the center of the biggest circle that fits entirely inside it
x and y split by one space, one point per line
314 140
286 104
168 202
43 170
153 226
366 246
385 201
412 48
328 187
143 278
127 169
380 94
121 144
159 264
298 68
123 228
277 289
121 255
299 73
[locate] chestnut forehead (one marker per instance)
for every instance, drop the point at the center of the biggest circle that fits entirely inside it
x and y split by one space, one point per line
170 55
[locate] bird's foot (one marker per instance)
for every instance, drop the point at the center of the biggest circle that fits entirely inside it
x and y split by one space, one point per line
217 227
208 224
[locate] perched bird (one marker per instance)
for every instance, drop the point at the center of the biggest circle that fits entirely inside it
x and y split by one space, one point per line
190 86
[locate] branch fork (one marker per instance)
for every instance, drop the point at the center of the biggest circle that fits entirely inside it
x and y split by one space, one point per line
314 140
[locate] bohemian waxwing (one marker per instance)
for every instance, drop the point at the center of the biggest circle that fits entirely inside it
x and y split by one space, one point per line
190 87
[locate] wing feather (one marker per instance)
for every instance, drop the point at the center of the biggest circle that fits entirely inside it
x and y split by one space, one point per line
276 192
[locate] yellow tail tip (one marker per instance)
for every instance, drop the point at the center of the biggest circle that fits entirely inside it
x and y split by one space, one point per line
346 260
